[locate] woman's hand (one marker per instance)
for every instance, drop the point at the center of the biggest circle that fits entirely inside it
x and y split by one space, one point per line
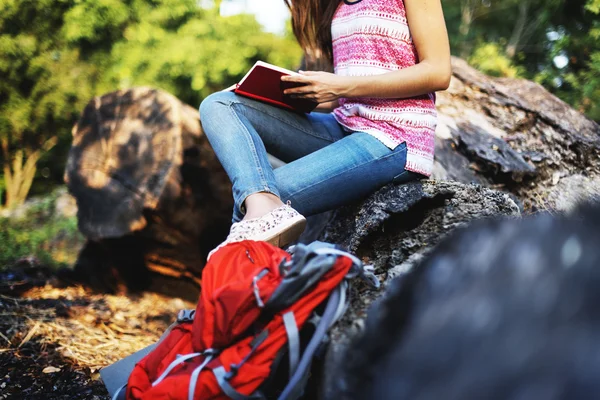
319 86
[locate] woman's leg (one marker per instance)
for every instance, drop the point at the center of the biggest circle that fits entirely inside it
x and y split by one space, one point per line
239 128
344 171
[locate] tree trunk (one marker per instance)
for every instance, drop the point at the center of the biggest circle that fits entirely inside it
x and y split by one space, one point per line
19 177
513 135
466 18
152 197
515 39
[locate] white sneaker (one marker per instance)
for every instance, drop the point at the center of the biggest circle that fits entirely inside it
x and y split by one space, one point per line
279 227
238 232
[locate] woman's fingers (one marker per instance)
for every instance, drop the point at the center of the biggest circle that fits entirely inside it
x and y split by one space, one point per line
295 78
305 88
300 90
310 73
312 87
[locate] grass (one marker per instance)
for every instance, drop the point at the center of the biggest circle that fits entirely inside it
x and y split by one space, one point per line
38 234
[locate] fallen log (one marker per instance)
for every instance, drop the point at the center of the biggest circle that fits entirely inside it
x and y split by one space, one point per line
513 135
505 134
152 197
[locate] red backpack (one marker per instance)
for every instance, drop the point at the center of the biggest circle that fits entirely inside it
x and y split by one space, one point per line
256 299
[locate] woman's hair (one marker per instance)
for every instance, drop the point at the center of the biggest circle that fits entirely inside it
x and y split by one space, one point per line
311 23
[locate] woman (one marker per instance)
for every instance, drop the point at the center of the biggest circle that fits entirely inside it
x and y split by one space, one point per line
376 122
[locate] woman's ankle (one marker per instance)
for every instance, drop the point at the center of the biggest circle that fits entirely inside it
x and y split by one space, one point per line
259 204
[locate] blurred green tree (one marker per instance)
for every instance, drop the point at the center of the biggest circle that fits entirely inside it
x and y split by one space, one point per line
193 52
43 84
516 28
574 50
55 55
555 42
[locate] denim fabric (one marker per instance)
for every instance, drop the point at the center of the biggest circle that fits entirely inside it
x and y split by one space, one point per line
327 167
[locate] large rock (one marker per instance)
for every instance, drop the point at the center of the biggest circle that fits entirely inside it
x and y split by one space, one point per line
504 309
396 227
400 220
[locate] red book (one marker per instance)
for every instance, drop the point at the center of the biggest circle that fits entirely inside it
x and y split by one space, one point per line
263 82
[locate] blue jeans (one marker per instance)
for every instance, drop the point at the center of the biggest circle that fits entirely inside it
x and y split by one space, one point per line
326 168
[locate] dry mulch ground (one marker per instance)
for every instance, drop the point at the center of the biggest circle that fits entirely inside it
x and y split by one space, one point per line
54 338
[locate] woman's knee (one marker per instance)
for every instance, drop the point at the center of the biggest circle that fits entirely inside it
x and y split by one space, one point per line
215 103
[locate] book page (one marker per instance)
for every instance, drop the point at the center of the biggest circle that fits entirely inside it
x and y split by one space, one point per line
230 88
276 68
269 66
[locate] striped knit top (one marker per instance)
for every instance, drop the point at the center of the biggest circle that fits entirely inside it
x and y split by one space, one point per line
372 37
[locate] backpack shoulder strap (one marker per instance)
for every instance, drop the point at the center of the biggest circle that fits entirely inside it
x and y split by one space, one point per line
221 376
365 272
307 266
335 303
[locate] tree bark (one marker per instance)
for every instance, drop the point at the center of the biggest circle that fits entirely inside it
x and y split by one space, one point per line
513 135
152 197
19 178
392 230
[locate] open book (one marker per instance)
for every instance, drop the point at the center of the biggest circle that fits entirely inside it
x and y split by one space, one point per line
263 82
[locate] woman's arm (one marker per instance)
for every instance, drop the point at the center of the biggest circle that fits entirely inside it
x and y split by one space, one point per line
432 73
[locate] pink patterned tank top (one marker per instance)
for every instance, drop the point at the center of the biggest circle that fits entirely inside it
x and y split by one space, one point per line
372 37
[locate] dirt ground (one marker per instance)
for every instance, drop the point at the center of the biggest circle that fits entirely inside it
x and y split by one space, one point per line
55 337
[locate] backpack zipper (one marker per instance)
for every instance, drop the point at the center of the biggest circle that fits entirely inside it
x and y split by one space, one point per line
250 257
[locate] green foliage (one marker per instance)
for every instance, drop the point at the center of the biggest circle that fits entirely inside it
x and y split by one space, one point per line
593 6
44 84
200 55
578 82
527 37
95 21
586 81
53 240
55 55
490 59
